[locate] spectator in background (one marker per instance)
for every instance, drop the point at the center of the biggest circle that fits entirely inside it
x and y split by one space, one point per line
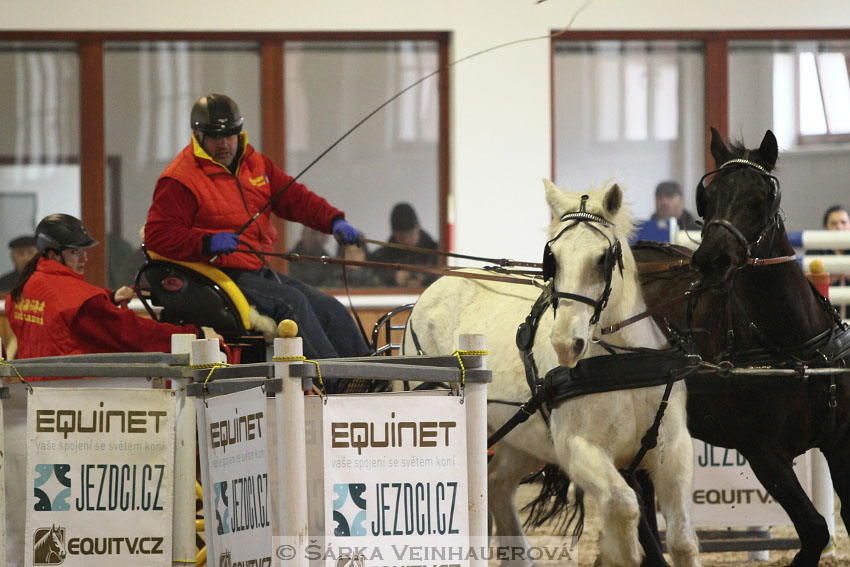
670 203
312 243
406 231
22 249
836 217
357 276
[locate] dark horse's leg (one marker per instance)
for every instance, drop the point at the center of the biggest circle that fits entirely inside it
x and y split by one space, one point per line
776 475
648 526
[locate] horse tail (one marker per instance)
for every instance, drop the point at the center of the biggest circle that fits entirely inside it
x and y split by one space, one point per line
553 502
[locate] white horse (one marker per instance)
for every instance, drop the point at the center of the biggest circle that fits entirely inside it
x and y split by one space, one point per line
592 436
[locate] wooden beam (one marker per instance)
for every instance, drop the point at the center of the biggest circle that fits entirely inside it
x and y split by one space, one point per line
274 127
444 148
93 155
716 91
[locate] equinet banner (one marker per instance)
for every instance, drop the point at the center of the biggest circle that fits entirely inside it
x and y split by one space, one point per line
393 481
100 472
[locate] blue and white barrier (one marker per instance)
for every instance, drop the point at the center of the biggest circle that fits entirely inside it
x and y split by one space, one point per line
804 240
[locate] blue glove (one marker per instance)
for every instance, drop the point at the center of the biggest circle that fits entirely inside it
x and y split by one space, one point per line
344 232
224 242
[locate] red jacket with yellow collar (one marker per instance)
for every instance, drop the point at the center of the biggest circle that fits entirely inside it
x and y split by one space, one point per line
59 313
197 196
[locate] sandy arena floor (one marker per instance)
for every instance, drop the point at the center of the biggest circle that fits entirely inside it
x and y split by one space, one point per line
588 543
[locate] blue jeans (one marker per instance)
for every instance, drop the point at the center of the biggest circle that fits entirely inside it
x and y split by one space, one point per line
324 324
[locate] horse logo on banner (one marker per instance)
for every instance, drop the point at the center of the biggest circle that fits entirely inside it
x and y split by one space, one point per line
48 546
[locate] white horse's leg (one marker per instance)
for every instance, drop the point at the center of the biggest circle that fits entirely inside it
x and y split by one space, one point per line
673 480
590 467
508 467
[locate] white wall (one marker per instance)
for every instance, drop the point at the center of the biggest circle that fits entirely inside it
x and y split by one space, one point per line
500 125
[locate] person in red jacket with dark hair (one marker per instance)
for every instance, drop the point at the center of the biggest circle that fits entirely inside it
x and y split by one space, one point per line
53 311
214 187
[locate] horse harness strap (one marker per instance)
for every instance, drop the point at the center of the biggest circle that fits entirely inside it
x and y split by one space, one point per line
770 261
607 373
503 262
656 267
649 312
641 369
525 335
613 258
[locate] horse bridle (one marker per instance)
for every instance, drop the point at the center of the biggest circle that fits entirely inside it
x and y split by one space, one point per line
613 256
772 217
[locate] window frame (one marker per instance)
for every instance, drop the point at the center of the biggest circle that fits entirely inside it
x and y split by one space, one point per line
272 45
716 72
829 137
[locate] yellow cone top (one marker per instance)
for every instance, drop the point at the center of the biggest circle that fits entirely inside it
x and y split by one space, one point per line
816 267
287 329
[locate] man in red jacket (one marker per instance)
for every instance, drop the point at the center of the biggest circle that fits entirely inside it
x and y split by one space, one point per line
53 311
215 186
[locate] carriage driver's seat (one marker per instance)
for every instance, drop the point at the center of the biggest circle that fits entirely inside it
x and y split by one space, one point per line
201 294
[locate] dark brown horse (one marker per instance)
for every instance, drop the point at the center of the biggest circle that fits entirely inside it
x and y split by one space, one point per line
753 312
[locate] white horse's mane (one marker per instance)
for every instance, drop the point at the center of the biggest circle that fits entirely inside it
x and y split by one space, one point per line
569 201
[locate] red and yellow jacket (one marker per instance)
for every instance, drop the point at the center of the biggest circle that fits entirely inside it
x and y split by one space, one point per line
59 314
197 196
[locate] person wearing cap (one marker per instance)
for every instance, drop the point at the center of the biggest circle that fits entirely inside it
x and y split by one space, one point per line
670 203
216 186
53 311
406 231
21 249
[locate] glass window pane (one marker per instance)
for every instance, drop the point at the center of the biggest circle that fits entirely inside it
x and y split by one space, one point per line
812 117
776 85
629 111
393 157
609 111
665 97
836 91
149 91
635 101
39 143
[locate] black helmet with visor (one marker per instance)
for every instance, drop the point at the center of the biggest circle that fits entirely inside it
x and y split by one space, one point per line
60 231
216 116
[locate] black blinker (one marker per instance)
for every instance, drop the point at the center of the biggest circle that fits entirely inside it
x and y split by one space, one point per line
548 263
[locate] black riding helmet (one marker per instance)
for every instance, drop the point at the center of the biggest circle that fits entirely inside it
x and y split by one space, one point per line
59 231
216 116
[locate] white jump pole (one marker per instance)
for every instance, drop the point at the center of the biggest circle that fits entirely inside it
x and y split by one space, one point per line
476 448
2 481
183 521
823 497
205 351
292 455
